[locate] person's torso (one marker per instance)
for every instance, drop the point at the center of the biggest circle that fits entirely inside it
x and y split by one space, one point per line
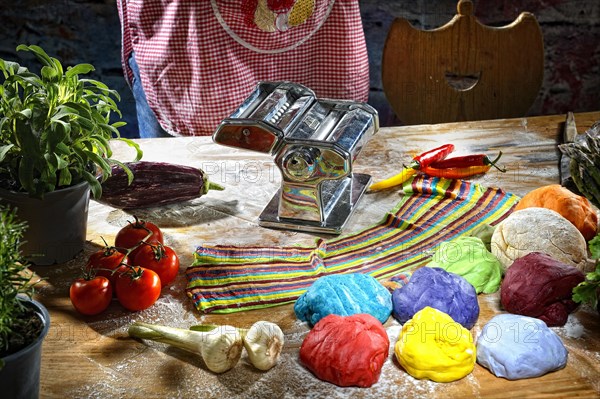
199 59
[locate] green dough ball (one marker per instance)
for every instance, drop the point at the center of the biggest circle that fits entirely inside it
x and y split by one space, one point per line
485 232
468 257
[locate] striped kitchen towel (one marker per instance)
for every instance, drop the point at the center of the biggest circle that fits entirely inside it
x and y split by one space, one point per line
225 279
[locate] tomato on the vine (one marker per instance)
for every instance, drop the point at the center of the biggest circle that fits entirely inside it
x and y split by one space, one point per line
91 295
133 234
104 262
138 289
160 258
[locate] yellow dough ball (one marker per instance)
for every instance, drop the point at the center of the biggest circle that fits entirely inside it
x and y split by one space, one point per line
432 345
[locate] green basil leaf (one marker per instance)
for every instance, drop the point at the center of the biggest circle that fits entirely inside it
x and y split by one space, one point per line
125 168
57 133
26 175
99 161
111 130
4 150
79 69
64 177
41 55
51 163
28 139
49 73
138 151
26 113
119 124
62 149
57 162
95 186
102 143
97 84
594 246
80 109
64 110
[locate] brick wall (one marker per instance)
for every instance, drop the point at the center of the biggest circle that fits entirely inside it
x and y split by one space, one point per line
571 31
74 31
88 31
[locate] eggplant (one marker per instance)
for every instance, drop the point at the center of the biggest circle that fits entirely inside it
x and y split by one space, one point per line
154 184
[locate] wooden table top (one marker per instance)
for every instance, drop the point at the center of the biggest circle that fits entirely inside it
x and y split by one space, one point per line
94 357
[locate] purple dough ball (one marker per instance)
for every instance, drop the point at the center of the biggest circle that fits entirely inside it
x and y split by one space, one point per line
435 287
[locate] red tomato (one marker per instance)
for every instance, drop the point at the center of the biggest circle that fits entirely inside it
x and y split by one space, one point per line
104 261
162 259
91 296
138 289
131 235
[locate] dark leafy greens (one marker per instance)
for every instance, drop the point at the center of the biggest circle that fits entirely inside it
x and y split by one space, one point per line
588 290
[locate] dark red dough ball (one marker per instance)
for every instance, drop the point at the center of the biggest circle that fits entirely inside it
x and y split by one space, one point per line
540 286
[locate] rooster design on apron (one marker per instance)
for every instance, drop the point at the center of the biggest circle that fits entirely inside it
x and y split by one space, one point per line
277 15
253 23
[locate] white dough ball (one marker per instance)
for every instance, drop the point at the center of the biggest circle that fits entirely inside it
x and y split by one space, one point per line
538 230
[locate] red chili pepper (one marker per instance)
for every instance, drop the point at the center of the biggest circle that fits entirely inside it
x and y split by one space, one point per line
431 156
456 173
417 163
468 160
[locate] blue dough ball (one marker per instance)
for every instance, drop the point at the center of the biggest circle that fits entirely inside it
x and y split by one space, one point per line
514 347
435 287
344 295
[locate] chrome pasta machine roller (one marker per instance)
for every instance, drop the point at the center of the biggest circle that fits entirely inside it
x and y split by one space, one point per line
315 141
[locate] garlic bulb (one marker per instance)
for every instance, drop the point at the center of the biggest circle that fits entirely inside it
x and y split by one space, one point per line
263 342
220 348
223 348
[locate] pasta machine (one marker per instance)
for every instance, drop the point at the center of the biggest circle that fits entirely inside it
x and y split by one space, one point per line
314 141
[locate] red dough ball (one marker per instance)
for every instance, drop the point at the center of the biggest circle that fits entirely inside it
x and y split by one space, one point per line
346 350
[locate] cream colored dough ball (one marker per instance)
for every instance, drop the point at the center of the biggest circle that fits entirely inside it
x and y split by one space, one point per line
538 230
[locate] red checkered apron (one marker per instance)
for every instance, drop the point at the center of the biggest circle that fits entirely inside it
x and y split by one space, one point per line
199 59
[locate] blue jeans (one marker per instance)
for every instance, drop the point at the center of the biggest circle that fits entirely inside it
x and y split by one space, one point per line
148 126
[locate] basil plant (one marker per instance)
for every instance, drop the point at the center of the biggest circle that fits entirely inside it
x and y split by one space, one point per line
55 128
